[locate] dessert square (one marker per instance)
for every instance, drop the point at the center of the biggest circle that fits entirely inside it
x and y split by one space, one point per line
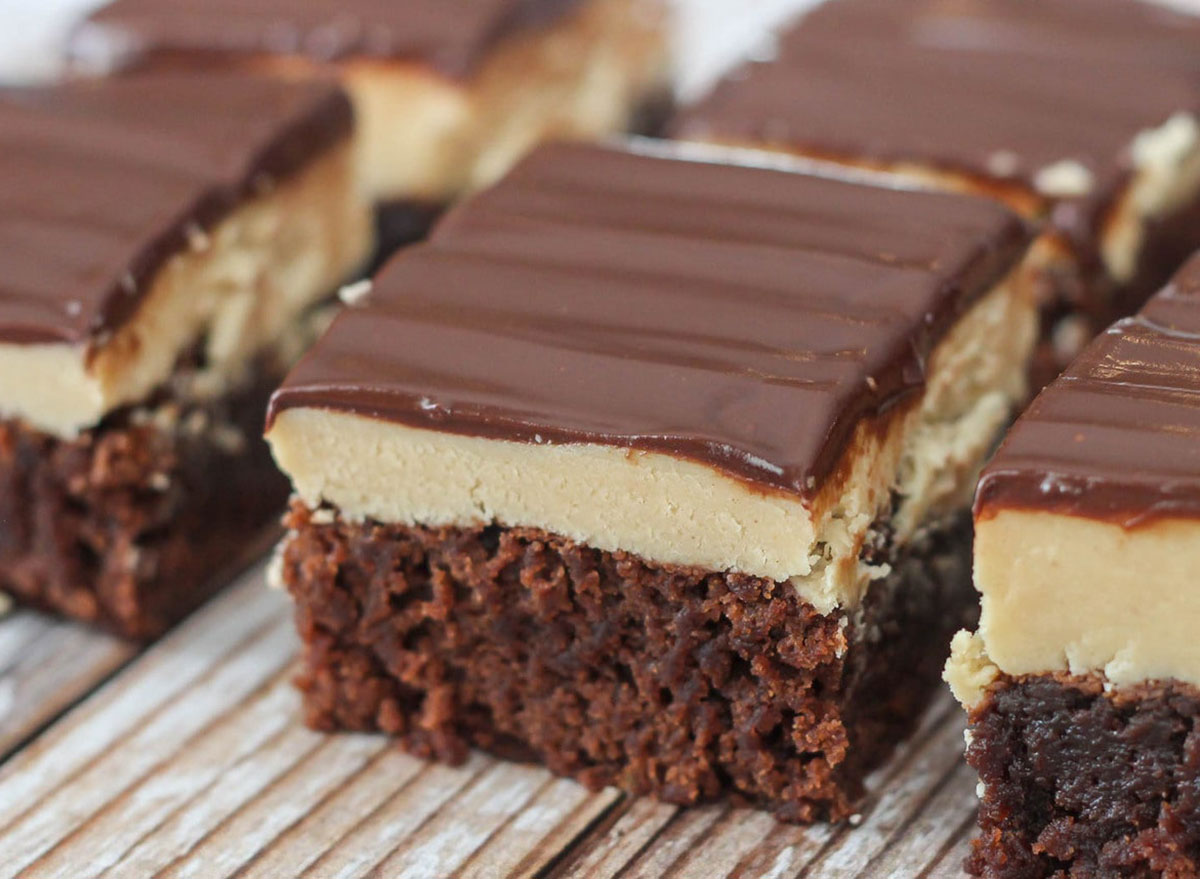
1084 114
165 238
448 93
1081 682
656 471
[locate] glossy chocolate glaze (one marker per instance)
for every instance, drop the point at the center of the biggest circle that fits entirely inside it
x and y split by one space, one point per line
740 317
1118 436
996 89
449 35
102 182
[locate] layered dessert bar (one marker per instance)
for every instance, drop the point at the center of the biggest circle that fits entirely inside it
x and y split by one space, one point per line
1083 680
1080 113
448 92
655 471
164 238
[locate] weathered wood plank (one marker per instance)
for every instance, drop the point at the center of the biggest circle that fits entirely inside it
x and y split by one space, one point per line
949 865
616 845
549 825
923 768
47 665
736 835
359 799
381 833
161 733
281 803
929 835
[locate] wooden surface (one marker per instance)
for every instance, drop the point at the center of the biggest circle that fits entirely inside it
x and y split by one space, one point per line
189 760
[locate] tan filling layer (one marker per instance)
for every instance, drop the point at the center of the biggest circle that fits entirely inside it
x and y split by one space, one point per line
679 512
1067 593
239 287
426 137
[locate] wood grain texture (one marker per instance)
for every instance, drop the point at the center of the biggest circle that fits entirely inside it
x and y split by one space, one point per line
45 666
191 761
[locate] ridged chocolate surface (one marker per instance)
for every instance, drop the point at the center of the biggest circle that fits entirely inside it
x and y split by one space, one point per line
100 183
998 88
1118 436
740 317
450 35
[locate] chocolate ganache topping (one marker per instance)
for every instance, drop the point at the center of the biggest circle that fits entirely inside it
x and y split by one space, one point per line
997 89
449 35
1117 437
102 182
739 317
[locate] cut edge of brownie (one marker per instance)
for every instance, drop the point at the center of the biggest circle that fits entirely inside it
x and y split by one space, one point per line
1081 779
130 524
668 680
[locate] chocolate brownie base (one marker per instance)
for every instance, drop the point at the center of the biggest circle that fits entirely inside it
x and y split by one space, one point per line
127 524
666 680
1083 783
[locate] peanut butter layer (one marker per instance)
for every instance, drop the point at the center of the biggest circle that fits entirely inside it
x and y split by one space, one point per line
741 363
1088 518
448 93
143 216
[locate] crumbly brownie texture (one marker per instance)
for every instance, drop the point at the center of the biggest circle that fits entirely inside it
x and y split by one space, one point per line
1083 783
673 681
128 524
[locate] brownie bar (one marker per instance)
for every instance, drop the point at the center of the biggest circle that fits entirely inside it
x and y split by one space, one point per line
166 238
128 524
675 681
1083 114
1081 680
639 467
448 94
1080 780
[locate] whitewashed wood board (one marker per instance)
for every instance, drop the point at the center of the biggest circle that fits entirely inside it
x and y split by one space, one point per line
190 760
